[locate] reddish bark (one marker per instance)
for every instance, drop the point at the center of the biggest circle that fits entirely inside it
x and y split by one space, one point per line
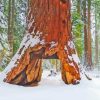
52 24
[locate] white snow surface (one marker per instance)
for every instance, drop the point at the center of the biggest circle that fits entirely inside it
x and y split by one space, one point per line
52 88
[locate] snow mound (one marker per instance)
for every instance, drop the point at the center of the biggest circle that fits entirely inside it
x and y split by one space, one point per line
52 88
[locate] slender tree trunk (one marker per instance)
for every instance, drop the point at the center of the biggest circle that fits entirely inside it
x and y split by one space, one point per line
85 32
79 7
96 40
89 51
96 48
11 26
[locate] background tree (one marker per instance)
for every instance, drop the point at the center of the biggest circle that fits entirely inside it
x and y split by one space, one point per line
96 5
89 49
77 27
11 25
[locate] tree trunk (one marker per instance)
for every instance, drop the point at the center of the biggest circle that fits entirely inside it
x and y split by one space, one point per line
89 51
96 39
96 48
11 25
85 32
78 7
48 36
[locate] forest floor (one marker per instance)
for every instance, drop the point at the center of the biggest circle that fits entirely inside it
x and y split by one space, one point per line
52 88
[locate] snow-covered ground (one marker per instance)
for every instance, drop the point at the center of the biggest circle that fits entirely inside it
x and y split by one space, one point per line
52 88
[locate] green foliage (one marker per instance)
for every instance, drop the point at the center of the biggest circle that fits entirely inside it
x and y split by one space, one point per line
1 69
77 24
77 32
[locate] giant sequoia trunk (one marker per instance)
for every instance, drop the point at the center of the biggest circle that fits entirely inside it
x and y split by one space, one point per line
48 36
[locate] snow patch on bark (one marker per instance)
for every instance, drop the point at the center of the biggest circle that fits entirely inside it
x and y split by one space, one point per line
53 44
65 48
73 57
30 24
42 42
28 41
71 44
76 58
70 57
71 64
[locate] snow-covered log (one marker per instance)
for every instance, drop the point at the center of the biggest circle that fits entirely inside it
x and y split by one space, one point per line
48 36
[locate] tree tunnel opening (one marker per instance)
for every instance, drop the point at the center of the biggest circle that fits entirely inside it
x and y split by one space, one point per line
51 65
